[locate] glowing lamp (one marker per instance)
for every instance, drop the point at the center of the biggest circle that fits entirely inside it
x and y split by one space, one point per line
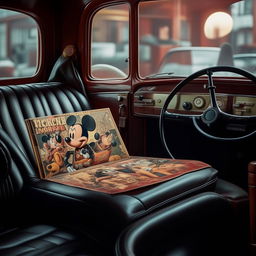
218 25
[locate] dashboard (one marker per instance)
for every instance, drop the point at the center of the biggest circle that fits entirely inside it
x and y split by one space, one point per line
150 103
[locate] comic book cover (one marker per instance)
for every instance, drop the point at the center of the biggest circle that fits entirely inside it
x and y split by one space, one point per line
70 142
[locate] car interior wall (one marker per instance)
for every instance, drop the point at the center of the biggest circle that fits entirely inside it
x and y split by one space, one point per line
67 22
66 25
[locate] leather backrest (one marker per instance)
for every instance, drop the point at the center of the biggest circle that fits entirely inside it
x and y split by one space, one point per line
5 181
19 102
5 159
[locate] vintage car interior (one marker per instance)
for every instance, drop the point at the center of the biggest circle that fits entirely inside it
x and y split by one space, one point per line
178 77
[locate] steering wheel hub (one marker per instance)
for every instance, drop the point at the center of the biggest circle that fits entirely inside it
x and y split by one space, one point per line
210 115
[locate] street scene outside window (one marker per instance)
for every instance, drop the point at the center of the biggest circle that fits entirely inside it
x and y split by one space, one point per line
18 45
178 37
110 43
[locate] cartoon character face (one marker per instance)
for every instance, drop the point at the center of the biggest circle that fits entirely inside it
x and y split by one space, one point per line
76 138
51 141
106 140
78 133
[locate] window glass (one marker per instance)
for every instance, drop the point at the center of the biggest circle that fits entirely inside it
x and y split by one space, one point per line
179 37
110 43
18 45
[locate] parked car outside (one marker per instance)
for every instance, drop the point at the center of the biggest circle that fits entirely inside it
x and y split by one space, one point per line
7 68
183 61
246 61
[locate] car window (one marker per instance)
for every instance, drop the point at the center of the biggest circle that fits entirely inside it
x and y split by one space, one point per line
18 45
110 43
177 37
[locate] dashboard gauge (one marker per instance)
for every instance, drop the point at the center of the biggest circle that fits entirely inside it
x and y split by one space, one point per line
199 102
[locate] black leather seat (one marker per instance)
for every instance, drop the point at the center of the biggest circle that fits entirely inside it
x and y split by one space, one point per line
199 226
45 240
101 214
24 232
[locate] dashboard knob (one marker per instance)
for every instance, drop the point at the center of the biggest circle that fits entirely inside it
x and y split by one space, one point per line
187 105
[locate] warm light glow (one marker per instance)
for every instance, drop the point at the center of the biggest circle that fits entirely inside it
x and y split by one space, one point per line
217 25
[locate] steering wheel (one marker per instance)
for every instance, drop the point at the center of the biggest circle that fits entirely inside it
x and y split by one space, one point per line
212 116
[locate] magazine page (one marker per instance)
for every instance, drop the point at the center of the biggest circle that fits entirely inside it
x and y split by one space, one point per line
69 142
129 174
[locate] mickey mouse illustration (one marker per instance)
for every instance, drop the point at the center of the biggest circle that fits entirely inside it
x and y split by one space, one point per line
77 139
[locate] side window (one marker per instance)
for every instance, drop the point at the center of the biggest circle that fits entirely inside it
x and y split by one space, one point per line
18 45
110 43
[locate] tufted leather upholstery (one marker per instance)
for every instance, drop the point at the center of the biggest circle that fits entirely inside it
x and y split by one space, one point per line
31 100
200 226
101 214
19 235
45 240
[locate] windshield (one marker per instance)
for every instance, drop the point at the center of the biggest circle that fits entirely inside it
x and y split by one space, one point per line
177 37
185 62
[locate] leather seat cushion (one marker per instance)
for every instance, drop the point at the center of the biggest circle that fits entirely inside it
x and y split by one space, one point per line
45 240
105 215
199 226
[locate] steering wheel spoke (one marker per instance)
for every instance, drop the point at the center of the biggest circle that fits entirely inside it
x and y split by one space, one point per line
211 89
176 116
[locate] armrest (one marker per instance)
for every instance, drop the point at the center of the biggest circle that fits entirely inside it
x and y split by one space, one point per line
201 225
